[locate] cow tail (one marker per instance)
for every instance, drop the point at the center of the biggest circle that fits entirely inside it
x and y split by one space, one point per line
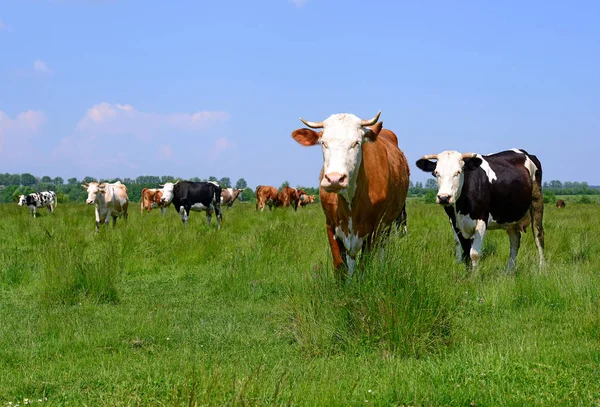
217 199
537 208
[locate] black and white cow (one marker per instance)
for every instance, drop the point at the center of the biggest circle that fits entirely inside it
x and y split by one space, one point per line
189 196
486 192
45 199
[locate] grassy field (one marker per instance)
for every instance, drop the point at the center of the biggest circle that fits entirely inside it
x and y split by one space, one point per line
152 313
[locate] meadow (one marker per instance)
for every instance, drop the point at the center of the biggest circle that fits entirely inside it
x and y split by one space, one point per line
154 314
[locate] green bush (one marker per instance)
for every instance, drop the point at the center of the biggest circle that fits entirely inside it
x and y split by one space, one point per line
549 197
430 197
584 199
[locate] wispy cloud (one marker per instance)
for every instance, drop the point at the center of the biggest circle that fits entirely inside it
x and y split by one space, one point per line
3 26
137 135
16 134
41 67
299 3
221 145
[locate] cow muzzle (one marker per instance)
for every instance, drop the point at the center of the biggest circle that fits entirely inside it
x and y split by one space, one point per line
334 181
89 201
444 200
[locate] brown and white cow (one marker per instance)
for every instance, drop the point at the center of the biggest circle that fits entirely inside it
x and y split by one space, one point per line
267 195
290 197
305 200
560 203
363 183
152 198
229 195
110 199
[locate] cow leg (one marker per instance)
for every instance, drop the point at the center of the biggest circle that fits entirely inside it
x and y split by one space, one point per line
184 214
338 251
219 214
514 236
34 212
208 216
475 252
97 220
162 211
401 221
536 211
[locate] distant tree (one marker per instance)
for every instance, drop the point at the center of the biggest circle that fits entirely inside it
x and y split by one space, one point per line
128 181
72 181
86 180
241 184
286 183
225 182
431 184
47 179
248 195
167 178
195 179
58 181
28 180
555 184
214 179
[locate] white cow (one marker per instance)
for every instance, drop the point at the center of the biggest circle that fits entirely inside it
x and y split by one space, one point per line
45 199
110 200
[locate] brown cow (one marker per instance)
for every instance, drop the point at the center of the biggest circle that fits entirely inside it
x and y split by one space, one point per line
290 197
267 195
229 195
110 199
364 182
560 203
305 200
152 198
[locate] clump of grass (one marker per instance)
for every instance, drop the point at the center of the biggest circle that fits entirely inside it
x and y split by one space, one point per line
396 303
71 274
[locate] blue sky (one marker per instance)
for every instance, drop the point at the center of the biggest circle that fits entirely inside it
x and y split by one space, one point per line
122 88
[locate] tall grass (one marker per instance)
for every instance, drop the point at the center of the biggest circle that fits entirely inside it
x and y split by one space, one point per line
154 313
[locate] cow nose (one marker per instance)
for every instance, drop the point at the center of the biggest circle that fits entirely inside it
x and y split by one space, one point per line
443 199
335 179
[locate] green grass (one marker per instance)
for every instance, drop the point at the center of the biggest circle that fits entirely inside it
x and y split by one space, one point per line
152 313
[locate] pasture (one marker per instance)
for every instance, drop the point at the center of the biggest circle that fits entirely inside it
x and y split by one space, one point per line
152 313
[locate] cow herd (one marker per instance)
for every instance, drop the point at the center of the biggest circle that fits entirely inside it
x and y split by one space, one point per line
363 187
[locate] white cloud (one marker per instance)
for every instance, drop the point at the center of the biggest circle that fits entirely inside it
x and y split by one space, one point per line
3 26
299 3
17 135
140 137
41 67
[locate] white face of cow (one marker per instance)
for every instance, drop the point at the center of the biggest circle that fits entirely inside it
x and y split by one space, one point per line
93 190
22 200
449 173
167 193
341 141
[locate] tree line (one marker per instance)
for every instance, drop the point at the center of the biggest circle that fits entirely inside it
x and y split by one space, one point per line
13 185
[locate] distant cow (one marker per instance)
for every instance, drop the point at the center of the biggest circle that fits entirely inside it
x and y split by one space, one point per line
305 199
560 203
486 192
229 195
363 182
189 196
290 197
111 200
152 198
45 199
267 195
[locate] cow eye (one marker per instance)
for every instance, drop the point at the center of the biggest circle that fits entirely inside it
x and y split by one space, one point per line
324 144
435 174
355 144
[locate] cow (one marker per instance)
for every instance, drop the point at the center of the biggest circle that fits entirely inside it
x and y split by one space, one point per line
305 199
267 195
45 199
290 197
363 183
229 195
560 203
487 192
111 200
151 198
189 196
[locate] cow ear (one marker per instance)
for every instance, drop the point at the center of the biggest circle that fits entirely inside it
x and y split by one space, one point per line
472 163
372 132
426 165
306 137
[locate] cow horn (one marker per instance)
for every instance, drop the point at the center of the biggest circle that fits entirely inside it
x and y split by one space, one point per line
469 155
85 186
372 121
430 157
313 125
